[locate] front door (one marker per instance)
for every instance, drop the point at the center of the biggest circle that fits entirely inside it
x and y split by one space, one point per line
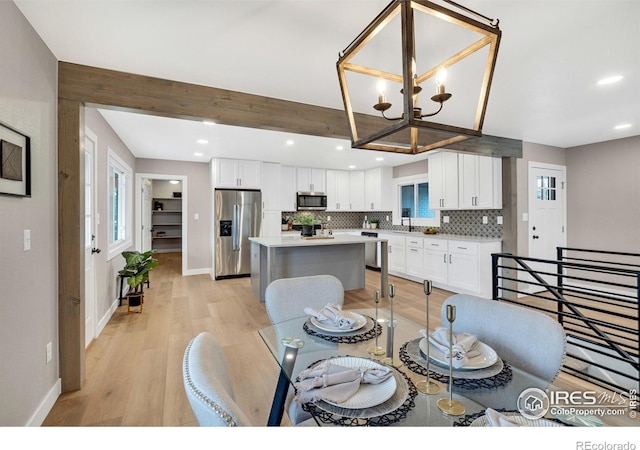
547 215
90 240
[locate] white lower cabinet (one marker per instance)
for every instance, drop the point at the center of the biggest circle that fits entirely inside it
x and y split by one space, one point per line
463 269
435 260
414 257
461 266
396 253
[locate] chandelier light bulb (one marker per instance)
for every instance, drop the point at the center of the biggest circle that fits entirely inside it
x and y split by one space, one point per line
441 80
382 89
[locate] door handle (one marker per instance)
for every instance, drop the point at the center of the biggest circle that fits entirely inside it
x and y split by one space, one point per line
536 237
95 250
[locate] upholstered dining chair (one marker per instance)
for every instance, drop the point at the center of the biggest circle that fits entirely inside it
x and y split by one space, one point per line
208 386
286 298
523 337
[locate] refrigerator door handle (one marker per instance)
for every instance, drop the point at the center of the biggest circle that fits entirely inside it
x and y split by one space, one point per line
234 233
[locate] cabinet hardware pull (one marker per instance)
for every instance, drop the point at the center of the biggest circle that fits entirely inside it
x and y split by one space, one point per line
462 248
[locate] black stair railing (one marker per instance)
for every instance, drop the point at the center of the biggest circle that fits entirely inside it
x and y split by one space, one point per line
594 295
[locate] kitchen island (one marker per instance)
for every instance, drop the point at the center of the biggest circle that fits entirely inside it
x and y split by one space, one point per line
278 257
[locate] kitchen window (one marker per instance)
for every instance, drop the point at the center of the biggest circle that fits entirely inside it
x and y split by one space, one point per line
119 204
412 196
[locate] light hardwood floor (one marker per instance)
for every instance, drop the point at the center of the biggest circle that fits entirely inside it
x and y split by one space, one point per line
134 368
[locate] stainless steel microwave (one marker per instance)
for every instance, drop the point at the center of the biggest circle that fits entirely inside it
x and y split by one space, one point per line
311 201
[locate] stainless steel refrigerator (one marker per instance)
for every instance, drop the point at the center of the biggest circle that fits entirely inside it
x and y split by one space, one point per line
237 218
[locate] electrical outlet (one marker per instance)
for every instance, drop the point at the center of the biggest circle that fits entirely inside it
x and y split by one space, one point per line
387 218
49 352
485 220
328 218
499 220
445 219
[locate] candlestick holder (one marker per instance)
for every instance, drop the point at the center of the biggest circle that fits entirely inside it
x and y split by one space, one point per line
391 325
427 386
376 350
450 406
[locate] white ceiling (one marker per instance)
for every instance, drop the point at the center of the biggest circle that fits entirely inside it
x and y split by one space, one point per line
545 85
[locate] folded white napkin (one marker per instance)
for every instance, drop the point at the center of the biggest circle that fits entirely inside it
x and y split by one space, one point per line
331 315
495 419
336 383
462 345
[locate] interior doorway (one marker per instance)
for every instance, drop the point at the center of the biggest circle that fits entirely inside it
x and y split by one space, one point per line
161 210
90 236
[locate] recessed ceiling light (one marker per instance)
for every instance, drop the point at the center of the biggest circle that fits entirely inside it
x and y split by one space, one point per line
339 148
352 166
610 80
622 126
197 154
379 158
289 142
208 122
202 141
174 181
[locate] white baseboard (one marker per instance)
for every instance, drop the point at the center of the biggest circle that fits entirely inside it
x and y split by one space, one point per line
46 405
205 271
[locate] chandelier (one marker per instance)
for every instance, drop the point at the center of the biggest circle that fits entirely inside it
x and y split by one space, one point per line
415 46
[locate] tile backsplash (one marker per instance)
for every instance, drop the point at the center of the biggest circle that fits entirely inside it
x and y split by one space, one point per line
461 222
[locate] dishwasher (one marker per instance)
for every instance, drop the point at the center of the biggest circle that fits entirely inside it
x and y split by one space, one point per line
371 250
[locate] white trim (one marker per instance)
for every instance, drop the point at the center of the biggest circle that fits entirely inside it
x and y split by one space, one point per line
115 249
396 216
140 177
45 407
94 230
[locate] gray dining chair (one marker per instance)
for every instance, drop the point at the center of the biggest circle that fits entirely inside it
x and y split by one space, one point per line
208 385
285 299
523 337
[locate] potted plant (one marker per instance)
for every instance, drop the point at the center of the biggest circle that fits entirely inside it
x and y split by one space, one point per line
136 271
307 220
285 224
374 223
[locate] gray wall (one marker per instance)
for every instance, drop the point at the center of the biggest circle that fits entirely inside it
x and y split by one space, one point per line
107 288
603 194
198 191
28 280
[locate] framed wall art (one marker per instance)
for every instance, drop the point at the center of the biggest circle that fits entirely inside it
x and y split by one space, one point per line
15 162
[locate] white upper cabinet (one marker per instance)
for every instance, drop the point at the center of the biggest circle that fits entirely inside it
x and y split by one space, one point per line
378 189
356 190
288 188
237 173
271 187
338 190
311 180
480 182
443 180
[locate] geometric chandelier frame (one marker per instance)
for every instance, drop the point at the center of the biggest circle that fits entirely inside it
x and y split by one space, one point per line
412 131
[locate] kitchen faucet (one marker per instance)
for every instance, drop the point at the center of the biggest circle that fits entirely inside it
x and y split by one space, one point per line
406 212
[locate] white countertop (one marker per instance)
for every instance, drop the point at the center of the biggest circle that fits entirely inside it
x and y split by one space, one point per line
297 241
456 237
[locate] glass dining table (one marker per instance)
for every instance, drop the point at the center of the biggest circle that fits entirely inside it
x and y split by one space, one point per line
299 343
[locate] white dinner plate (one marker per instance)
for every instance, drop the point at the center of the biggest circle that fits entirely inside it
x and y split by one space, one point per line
517 419
359 319
486 358
368 395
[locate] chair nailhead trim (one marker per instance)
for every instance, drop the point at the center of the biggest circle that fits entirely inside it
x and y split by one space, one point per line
220 412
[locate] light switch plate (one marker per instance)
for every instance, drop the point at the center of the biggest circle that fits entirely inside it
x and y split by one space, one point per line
499 220
485 220
26 244
525 217
445 219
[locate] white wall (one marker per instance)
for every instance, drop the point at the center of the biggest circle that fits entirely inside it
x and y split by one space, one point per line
28 280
